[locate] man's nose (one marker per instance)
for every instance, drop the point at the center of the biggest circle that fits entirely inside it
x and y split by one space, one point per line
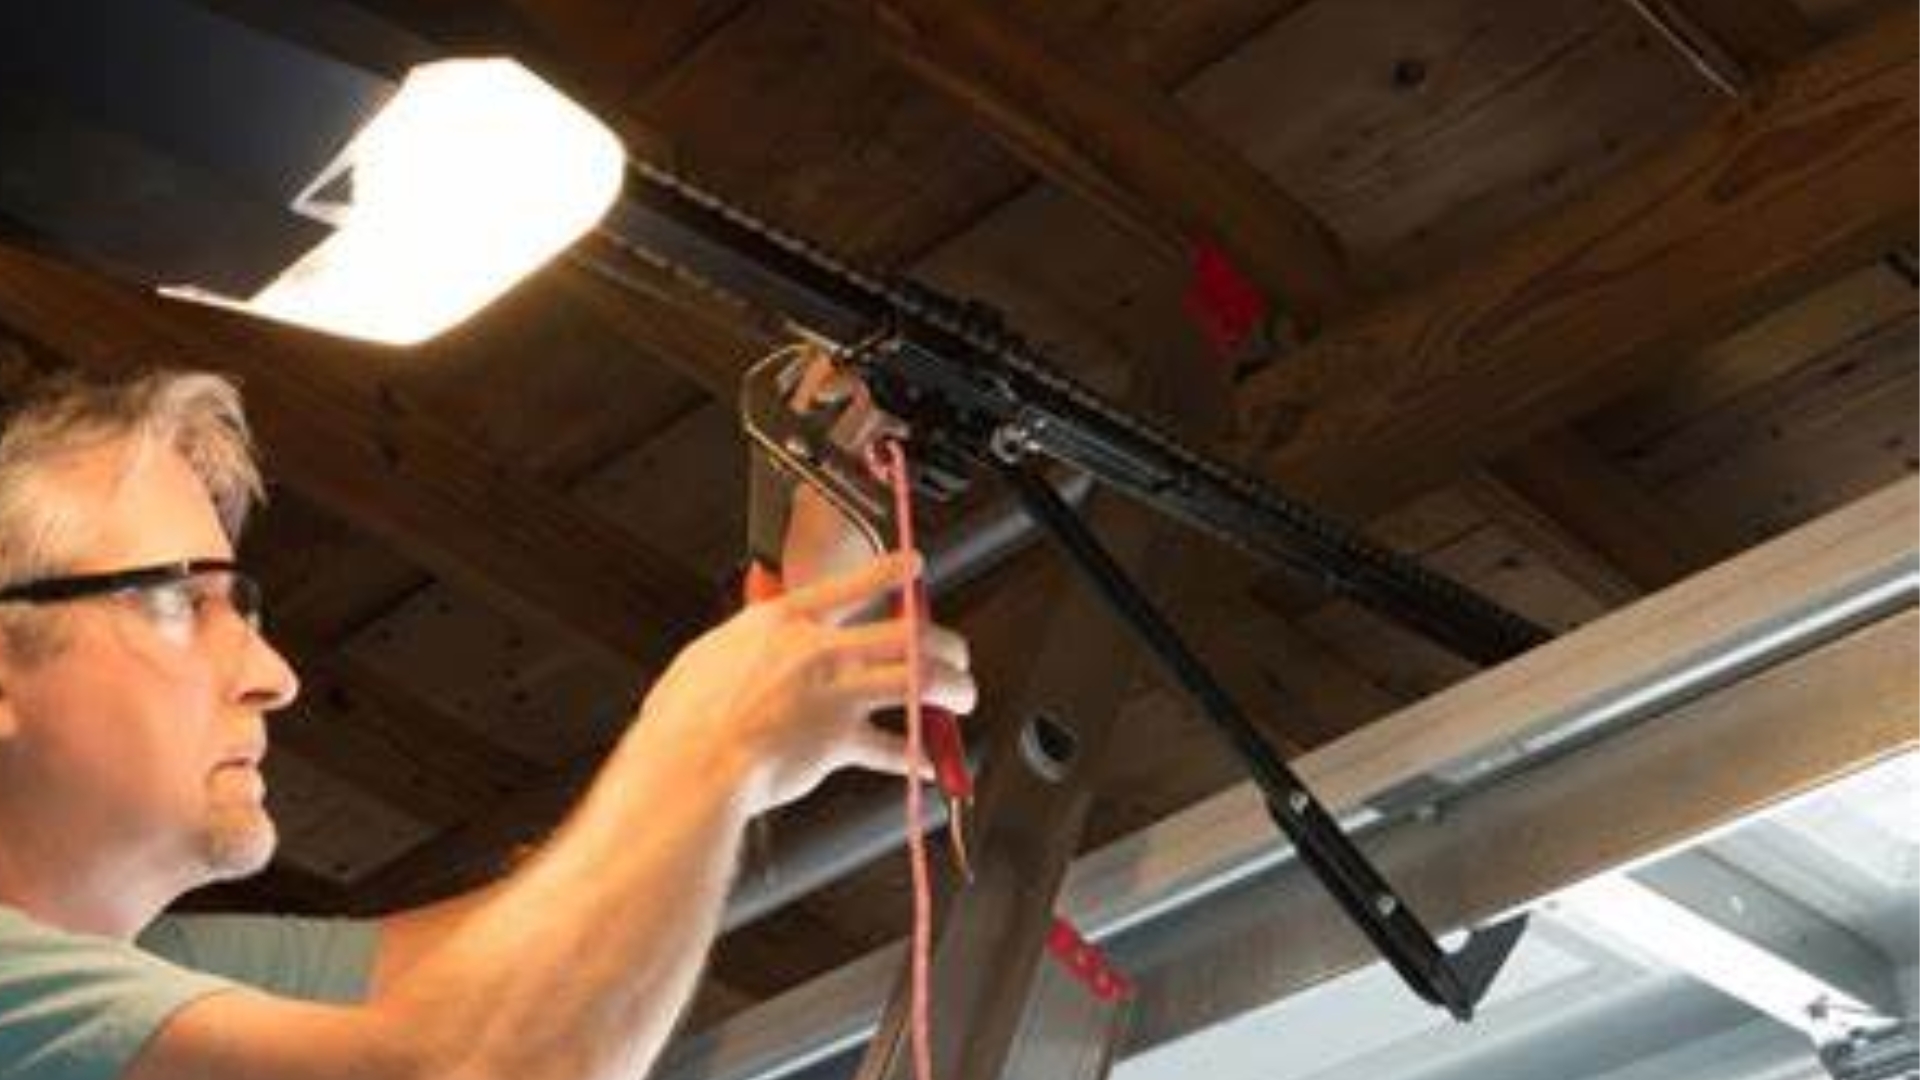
269 682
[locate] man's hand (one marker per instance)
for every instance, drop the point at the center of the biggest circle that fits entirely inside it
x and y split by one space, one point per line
778 697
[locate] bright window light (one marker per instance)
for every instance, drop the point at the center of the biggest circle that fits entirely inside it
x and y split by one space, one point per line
475 173
1671 934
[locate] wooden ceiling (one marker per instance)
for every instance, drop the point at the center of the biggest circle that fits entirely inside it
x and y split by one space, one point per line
1583 295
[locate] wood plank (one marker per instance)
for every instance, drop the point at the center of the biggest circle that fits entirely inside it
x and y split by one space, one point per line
419 731
709 343
1818 390
365 763
527 381
1555 541
1735 43
403 476
1596 520
1664 259
320 575
621 47
853 151
1437 128
1832 320
482 850
331 829
1108 135
848 149
1843 427
1167 43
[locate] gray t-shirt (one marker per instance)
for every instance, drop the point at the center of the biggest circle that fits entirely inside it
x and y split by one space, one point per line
76 1007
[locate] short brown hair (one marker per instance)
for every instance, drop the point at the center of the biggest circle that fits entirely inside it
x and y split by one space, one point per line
196 414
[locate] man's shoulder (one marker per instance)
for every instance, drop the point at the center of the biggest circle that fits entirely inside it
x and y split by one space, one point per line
78 1006
328 960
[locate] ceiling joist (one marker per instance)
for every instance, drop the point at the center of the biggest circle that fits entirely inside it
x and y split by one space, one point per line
1759 205
1734 43
1104 132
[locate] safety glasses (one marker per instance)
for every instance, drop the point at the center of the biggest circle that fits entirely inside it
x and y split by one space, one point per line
178 598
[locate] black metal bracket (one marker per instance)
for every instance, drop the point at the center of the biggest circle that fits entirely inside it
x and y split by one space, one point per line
1455 981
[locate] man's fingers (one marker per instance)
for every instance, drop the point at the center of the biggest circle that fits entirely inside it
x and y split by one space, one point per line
883 751
884 686
888 641
869 581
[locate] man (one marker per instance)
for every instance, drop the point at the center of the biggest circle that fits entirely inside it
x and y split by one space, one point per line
134 683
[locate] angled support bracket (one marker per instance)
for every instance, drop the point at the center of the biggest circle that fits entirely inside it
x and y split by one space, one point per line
1455 982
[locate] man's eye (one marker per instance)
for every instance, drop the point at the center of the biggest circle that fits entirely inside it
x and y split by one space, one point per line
175 603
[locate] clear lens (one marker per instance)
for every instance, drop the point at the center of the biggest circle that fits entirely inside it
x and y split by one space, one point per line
185 610
172 608
243 595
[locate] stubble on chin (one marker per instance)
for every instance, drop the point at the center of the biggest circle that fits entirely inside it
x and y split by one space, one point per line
239 840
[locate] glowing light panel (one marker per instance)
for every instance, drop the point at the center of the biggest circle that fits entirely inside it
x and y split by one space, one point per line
474 174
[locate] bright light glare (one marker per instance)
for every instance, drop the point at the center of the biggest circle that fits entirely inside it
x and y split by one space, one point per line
1674 935
475 173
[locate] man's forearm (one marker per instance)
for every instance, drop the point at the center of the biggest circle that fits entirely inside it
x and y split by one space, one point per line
580 963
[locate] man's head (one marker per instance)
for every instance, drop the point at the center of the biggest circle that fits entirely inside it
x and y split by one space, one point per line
131 718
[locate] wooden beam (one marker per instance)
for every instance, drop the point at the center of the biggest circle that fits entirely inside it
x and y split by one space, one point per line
1757 206
1560 492
382 737
710 343
618 46
329 431
482 850
1105 133
1733 43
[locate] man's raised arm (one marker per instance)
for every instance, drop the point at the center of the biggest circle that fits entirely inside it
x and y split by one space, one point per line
578 965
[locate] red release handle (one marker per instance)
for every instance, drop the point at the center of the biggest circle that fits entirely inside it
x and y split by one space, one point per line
948 752
946 748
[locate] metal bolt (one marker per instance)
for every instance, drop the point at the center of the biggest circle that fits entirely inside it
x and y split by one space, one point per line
1297 802
1385 904
1011 443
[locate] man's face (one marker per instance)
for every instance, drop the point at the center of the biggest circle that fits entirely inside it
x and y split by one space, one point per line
137 743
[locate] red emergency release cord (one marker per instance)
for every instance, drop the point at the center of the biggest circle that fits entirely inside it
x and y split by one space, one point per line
1084 961
891 462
